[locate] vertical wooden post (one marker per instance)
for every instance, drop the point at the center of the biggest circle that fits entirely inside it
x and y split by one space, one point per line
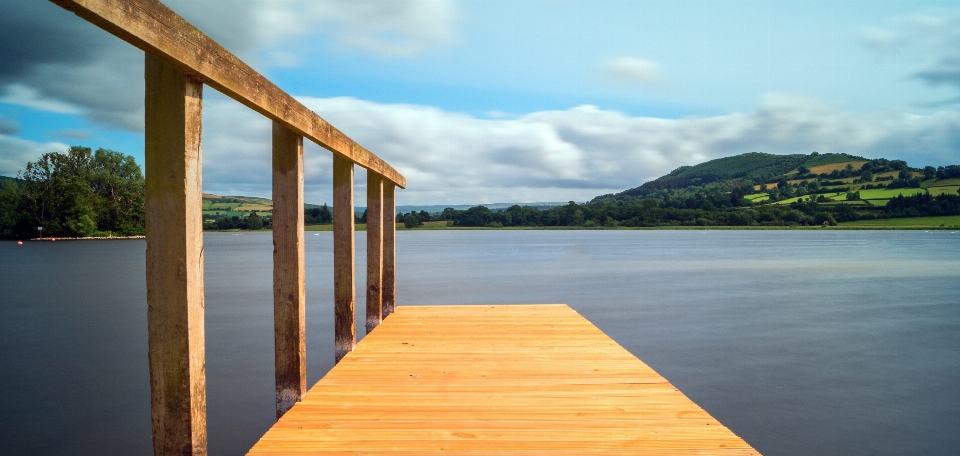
389 249
289 294
174 229
344 293
374 250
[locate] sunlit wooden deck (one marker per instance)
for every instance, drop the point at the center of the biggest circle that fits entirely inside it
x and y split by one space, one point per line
525 379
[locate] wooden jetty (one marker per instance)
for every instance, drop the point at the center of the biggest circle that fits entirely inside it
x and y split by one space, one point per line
483 379
524 379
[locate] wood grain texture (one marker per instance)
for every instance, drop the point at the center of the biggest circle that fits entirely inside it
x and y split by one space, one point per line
389 293
289 289
344 293
174 231
374 251
158 31
526 379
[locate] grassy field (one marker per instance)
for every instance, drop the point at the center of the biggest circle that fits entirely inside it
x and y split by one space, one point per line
940 190
922 222
235 205
213 213
239 206
945 182
836 166
876 196
884 193
790 200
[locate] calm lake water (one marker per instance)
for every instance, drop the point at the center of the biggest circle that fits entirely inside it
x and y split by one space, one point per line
802 342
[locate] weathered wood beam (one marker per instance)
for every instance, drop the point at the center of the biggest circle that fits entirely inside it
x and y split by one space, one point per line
374 250
157 30
174 229
289 295
344 293
389 250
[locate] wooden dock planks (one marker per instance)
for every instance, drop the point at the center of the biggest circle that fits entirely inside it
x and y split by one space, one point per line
524 379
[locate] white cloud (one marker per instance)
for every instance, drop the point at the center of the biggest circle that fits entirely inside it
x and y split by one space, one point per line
237 153
929 40
390 27
30 97
16 152
55 62
384 27
576 154
634 70
572 154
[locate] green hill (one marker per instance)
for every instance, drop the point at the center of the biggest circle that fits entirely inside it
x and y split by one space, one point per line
759 178
756 167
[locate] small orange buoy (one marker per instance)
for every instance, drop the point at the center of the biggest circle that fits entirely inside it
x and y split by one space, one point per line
19 242
53 239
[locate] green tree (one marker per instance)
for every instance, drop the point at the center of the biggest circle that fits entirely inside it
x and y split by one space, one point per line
13 219
56 195
118 181
76 193
254 221
326 216
411 221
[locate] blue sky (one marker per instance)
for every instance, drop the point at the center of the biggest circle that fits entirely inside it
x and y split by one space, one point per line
502 101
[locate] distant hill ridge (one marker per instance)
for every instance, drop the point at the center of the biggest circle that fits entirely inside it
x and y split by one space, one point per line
758 167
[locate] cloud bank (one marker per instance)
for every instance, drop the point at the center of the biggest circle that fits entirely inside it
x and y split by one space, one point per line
57 62
561 155
572 154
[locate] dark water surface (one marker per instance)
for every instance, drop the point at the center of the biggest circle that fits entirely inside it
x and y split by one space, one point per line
802 342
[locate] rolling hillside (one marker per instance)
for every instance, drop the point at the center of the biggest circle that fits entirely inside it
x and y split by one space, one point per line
753 166
761 178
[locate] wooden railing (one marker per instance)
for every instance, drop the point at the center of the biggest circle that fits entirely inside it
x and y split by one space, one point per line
179 61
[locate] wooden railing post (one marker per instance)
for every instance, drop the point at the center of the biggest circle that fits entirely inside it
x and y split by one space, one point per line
289 294
174 229
344 294
389 249
374 250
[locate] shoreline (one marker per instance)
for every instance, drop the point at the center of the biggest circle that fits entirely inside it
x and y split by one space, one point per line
360 227
316 228
55 238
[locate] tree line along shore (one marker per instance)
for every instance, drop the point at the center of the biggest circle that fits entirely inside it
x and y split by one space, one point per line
82 193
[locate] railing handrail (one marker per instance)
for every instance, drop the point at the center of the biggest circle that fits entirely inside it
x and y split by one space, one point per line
159 31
